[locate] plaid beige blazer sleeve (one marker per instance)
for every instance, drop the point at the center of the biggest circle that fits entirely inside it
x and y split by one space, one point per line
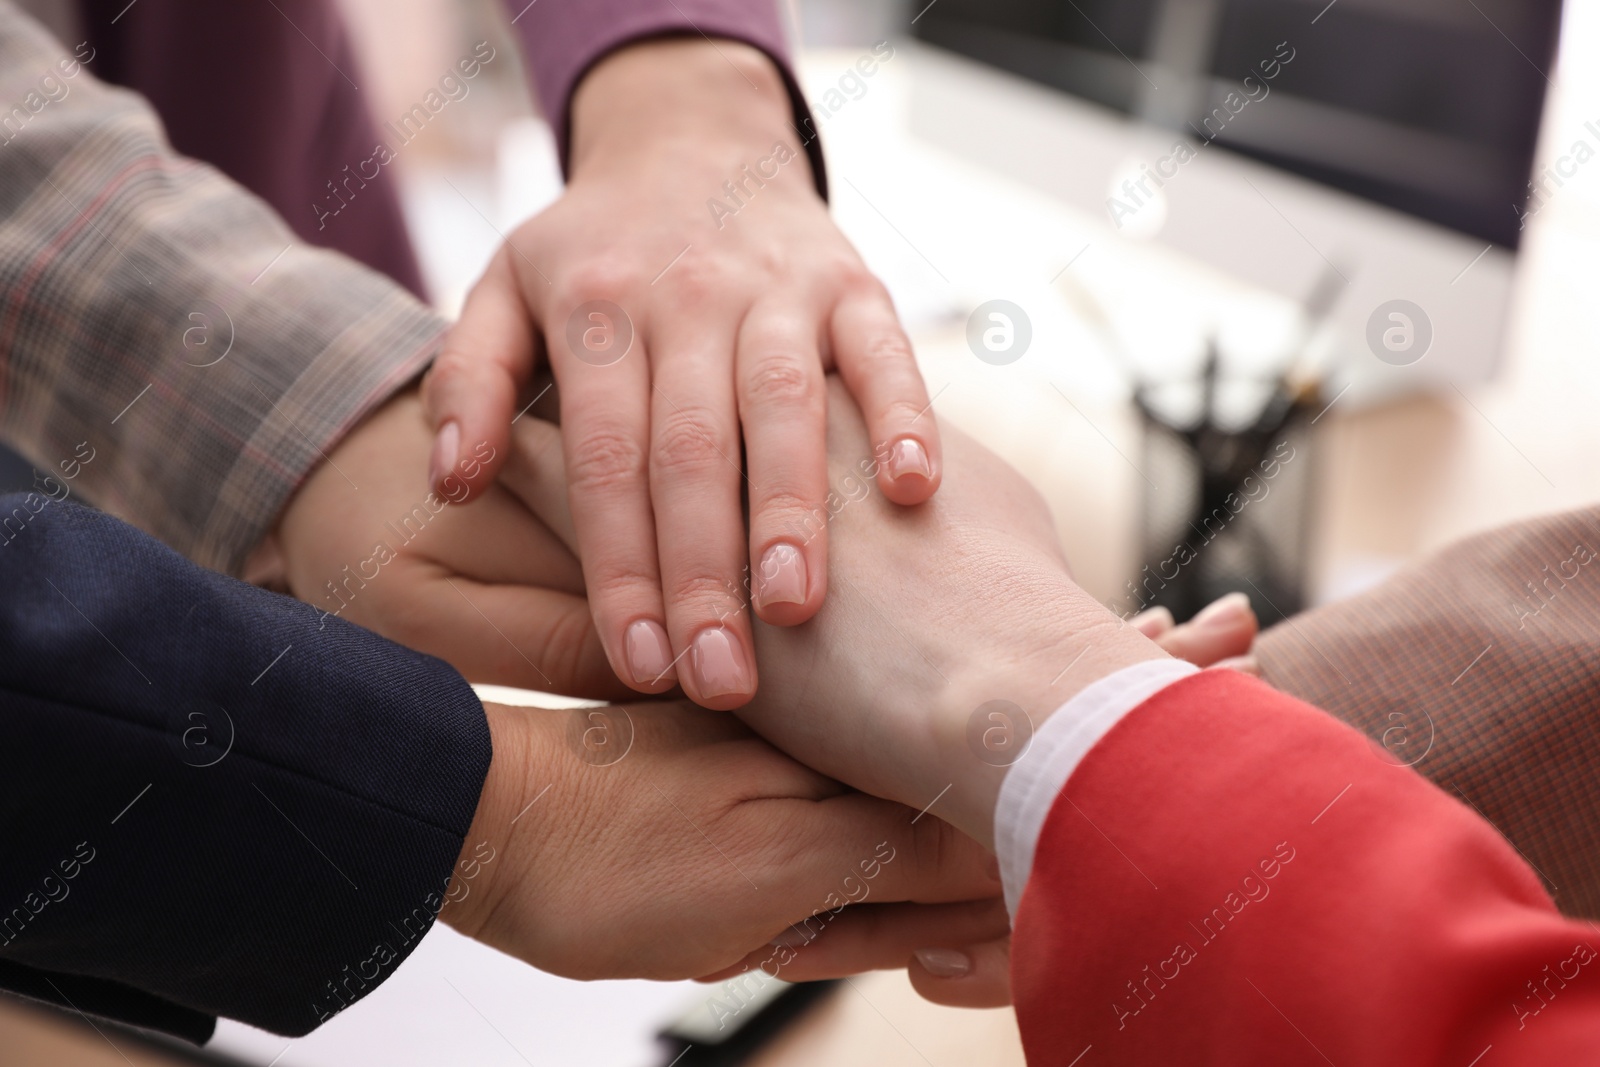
168 350
1481 668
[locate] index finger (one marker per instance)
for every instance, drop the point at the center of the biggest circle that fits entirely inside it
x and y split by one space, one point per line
604 373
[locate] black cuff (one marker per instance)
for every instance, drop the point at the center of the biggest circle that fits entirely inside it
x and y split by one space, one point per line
216 799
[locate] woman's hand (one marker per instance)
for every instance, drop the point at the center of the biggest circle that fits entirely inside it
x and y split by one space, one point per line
690 292
491 589
1221 635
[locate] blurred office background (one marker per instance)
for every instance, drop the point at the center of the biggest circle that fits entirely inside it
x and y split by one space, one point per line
1157 342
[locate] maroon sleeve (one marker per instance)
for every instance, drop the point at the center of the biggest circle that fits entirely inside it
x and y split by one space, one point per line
1233 877
268 94
562 40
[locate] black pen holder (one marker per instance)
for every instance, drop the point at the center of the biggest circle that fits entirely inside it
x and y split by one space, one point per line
1225 510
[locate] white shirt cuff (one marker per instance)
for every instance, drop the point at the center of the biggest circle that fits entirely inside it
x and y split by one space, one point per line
1032 784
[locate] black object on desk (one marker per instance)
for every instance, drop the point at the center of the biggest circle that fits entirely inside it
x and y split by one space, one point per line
735 1021
1226 508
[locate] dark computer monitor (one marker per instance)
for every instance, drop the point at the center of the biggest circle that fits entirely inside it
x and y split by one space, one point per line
1431 107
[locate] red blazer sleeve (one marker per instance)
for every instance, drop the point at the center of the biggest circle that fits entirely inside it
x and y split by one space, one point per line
1233 877
563 39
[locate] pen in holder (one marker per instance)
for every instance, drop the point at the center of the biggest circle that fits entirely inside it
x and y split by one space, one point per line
1226 500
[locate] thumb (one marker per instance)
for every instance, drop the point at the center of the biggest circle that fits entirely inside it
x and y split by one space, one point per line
971 976
470 393
1226 628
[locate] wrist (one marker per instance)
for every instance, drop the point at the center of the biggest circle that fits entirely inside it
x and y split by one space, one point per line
1061 641
696 99
473 892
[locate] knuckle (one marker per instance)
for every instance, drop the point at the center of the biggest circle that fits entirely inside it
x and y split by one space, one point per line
452 359
890 349
699 280
784 509
773 260
901 411
852 275
616 581
608 458
783 381
705 597
686 443
603 277
786 841
931 843
450 367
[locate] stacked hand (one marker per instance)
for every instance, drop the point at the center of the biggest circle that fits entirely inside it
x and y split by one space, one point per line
873 695
682 337
701 843
703 849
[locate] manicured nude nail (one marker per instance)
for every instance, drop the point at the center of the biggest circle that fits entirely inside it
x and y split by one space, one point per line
718 663
445 448
906 457
1229 613
782 576
649 653
944 962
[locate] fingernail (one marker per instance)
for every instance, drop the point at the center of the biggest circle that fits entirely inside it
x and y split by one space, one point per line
783 576
1242 664
944 962
718 663
649 653
907 456
1225 614
793 937
445 447
1152 622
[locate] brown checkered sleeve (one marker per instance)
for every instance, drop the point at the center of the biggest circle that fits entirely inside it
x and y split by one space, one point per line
168 350
1480 667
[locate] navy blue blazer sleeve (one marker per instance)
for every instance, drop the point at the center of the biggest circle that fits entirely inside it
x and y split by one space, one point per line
213 799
